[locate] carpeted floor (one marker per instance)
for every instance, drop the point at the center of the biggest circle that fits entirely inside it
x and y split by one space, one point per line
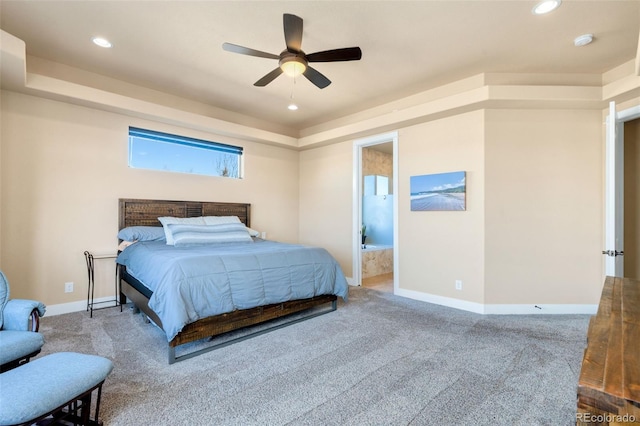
378 360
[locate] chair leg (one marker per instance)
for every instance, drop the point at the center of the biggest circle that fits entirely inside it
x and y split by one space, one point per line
85 410
98 403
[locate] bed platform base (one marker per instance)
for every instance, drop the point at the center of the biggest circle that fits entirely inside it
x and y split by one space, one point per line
210 327
269 312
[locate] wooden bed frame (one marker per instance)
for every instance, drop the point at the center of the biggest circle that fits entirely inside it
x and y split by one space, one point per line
137 212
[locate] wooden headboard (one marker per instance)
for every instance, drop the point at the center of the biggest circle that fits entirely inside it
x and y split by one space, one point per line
136 212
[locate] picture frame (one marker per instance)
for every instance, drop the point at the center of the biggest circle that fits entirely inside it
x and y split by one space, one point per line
439 192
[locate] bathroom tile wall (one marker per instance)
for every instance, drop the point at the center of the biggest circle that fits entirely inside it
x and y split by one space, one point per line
377 262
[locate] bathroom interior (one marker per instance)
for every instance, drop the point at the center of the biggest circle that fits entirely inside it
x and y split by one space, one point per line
377 217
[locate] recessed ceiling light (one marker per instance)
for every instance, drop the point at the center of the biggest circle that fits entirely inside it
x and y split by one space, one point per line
546 6
102 42
292 107
583 40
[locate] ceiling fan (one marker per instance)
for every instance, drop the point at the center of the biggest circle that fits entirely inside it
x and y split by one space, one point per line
293 61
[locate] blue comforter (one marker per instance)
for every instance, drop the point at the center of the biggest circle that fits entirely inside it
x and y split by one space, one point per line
198 281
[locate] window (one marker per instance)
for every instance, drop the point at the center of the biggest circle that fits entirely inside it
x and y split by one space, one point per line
376 185
163 151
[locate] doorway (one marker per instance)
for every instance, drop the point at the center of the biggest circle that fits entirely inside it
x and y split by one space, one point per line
622 203
631 199
375 206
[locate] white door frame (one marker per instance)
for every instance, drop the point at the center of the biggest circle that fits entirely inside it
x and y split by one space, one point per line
614 187
357 203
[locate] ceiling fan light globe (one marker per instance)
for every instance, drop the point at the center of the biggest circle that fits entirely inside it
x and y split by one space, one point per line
293 67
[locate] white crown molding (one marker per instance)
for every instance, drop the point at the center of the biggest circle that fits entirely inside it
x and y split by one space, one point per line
472 93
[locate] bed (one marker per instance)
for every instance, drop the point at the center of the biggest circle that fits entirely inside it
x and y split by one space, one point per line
199 289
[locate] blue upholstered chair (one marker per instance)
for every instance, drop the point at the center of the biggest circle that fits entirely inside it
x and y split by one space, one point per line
19 322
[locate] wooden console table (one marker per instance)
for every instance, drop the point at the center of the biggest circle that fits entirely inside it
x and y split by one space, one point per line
609 383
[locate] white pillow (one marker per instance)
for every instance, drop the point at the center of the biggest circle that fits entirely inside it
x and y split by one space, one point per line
253 232
184 234
166 220
215 220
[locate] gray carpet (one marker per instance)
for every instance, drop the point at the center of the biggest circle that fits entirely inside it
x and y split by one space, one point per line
378 360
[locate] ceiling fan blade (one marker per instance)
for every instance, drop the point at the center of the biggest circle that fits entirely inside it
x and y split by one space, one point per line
246 51
336 55
316 78
292 32
268 78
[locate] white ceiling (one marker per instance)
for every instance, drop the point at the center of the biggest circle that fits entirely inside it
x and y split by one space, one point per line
408 46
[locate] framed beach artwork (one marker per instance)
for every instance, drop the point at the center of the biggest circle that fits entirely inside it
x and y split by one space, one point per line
438 192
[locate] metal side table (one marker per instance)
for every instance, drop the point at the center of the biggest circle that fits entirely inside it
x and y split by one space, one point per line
90 259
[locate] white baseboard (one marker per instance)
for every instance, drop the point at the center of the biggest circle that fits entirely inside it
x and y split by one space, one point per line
499 309
541 308
478 308
450 302
80 305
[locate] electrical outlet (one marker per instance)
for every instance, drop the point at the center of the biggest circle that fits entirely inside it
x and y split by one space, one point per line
458 285
68 287
264 235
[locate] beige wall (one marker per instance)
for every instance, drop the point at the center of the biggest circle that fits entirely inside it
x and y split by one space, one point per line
63 168
632 199
326 192
532 231
543 189
437 248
